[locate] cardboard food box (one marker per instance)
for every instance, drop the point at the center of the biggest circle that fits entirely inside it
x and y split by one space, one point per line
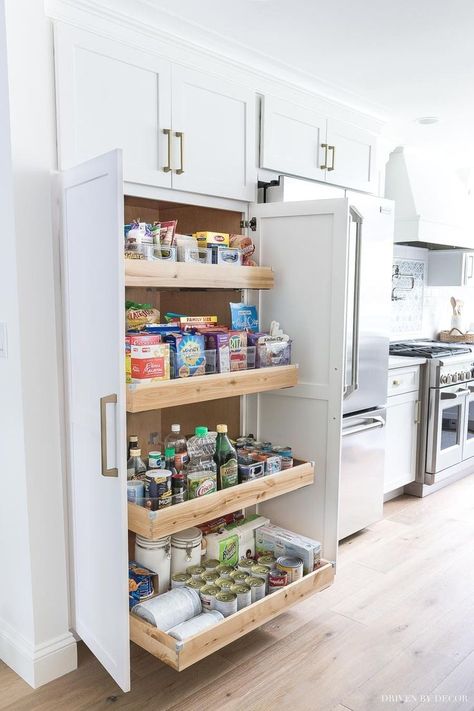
219 341
139 576
204 239
188 353
238 350
277 541
149 359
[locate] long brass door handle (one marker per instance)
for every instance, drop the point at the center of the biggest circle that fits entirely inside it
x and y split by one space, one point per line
104 401
333 149
167 132
325 165
180 135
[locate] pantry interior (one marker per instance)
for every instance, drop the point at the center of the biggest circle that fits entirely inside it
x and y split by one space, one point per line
149 411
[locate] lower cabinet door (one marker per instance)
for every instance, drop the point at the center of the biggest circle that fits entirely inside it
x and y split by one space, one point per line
401 440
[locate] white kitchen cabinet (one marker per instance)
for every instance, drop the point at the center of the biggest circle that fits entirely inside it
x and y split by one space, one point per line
292 139
109 95
177 127
403 414
450 267
305 143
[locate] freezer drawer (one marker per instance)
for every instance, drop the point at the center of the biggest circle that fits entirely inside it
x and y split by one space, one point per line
362 471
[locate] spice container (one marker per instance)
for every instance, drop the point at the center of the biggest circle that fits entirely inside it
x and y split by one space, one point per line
155 554
185 549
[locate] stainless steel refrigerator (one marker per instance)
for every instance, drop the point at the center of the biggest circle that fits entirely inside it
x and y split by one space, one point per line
332 260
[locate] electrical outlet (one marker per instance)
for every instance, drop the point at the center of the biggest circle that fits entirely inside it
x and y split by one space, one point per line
3 340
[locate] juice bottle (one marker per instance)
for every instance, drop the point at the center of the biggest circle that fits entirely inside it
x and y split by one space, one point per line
226 460
178 441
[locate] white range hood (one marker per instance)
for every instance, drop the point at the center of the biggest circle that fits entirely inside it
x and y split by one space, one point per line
431 202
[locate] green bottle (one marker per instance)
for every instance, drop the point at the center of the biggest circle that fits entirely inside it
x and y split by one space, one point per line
226 460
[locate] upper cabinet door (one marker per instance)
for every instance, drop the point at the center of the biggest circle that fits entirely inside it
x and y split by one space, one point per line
93 285
108 96
292 139
352 159
213 136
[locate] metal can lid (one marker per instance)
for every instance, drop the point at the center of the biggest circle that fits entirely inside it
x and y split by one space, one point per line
277 573
253 582
267 560
224 582
212 563
195 570
240 589
239 574
289 562
259 569
210 575
226 596
224 568
196 584
181 578
212 590
246 562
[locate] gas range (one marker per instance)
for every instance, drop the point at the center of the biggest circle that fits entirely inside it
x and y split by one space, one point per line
448 363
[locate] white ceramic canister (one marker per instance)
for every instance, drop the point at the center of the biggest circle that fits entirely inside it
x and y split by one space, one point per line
155 554
185 550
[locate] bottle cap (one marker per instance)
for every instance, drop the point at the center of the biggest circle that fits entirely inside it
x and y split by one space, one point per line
170 452
133 438
135 452
175 428
201 431
222 429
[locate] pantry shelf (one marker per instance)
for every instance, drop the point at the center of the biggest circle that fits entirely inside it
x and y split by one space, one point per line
155 524
180 275
180 655
184 391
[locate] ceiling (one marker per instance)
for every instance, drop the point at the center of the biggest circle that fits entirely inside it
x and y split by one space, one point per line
402 59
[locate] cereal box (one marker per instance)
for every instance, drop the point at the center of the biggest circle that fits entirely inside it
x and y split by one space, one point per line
149 359
204 239
188 353
219 341
238 350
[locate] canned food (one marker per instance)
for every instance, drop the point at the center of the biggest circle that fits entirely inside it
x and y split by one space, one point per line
250 470
268 560
277 579
283 451
244 595
208 595
257 588
239 577
293 566
273 464
179 580
224 570
245 564
224 583
226 603
195 571
286 463
212 564
196 584
210 576
266 446
158 489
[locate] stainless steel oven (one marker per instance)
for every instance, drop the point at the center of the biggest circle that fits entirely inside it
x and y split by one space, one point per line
450 438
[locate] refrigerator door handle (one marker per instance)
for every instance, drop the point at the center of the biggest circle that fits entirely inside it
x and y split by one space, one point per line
354 384
372 423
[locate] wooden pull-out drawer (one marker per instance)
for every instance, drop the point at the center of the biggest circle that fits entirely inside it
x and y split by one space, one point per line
403 380
181 655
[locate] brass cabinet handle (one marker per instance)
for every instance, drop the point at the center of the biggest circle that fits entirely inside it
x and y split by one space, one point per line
104 401
167 132
180 135
325 165
333 149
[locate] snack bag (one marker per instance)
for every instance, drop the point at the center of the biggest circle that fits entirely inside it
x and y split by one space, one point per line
238 350
138 315
244 318
245 244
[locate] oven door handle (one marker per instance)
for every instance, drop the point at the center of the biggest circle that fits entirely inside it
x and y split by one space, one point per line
458 393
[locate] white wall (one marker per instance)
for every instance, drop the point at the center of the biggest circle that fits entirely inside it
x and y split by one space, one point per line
30 418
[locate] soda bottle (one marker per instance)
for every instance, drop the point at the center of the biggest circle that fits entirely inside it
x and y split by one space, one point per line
178 441
226 460
135 466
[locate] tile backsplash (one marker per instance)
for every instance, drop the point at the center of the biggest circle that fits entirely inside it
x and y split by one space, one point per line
423 311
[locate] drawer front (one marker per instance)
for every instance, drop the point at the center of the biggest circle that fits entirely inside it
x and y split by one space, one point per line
403 380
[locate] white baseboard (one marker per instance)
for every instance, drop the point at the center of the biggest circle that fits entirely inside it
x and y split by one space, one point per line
41 663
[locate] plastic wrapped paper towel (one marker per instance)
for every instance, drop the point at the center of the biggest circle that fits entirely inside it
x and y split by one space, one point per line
170 609
197 624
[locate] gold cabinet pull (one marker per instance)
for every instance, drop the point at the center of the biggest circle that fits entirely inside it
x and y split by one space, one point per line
333 149
325 165
104 401
180 135
167 132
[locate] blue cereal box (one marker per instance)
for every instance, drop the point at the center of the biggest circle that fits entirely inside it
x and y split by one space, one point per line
189 355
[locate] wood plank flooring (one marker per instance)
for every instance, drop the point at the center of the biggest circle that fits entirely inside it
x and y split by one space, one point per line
396 631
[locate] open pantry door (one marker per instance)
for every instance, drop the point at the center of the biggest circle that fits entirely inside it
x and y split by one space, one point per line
93 293
306 244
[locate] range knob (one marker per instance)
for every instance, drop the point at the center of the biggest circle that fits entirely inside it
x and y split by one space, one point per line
467 375
449 378
444 379
454 378
461 375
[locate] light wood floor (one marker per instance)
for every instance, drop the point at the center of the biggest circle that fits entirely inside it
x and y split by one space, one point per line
397 626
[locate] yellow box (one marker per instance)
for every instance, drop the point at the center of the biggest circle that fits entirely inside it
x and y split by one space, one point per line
204 239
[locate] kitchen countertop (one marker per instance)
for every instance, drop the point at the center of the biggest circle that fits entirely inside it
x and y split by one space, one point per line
404 361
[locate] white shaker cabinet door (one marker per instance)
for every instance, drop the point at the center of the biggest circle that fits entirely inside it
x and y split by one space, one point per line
93 291
213 136
110 95
401 434
292 139
352 156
